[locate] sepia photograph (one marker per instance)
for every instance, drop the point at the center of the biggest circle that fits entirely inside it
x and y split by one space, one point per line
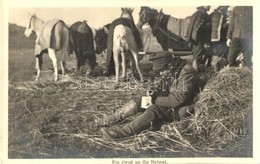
141 82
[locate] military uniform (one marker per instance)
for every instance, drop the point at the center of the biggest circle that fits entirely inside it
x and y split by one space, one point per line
169 107
198 33
218 35
240 32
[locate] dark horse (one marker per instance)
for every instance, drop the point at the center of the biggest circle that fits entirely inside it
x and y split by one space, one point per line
101 39
170 32
83 44
159 23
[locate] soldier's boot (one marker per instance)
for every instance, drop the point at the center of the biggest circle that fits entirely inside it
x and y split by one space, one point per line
141 123
125 111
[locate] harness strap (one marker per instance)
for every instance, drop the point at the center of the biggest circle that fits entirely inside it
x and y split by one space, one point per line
158 21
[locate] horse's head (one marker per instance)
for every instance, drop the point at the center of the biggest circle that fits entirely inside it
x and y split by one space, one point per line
146 14
127 13
33 25
101 39
29 29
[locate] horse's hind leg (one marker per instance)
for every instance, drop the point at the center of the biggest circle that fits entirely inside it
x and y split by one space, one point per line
63 66
65 49
116 60
135 56
38 66
123 64
52 55
92 61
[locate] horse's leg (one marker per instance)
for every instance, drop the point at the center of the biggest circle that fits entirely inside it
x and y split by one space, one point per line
77 59
64 50
135 55
116 60
123 64
63 66
38 66
52 55
92 61
132 65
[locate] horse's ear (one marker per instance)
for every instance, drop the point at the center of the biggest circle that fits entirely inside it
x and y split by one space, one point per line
132 9
122 9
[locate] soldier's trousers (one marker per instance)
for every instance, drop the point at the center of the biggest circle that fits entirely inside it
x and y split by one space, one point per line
240 45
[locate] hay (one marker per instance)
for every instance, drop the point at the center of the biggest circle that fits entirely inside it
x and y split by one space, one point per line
222 110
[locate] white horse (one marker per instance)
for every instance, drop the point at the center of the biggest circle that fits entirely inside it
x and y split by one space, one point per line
52 36
123 41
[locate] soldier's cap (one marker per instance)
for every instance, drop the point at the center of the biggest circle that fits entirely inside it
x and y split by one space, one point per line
160 59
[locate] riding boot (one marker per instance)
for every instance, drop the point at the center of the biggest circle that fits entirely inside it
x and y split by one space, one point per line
135 127
127 110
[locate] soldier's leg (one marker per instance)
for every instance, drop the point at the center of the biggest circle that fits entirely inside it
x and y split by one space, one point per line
129 109
234 50
247 47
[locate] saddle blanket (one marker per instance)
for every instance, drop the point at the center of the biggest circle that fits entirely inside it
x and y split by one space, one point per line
46 38
178 27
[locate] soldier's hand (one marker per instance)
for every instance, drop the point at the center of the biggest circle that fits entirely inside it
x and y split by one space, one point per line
154 95
228 42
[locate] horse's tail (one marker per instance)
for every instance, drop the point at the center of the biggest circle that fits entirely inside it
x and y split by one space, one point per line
71 42
122 43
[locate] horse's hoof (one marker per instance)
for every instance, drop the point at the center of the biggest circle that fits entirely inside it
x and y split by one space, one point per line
56 79
123 79
116 86
141 80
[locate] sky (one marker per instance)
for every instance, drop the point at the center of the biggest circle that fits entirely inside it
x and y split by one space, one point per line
95 16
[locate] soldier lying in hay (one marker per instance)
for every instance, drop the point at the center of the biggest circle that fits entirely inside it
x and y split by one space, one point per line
170 103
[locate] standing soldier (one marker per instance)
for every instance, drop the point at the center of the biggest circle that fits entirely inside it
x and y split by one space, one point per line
219 27
198 34
240 35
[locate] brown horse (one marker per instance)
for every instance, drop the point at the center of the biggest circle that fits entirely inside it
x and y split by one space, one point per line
83 46
52 36
124 41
